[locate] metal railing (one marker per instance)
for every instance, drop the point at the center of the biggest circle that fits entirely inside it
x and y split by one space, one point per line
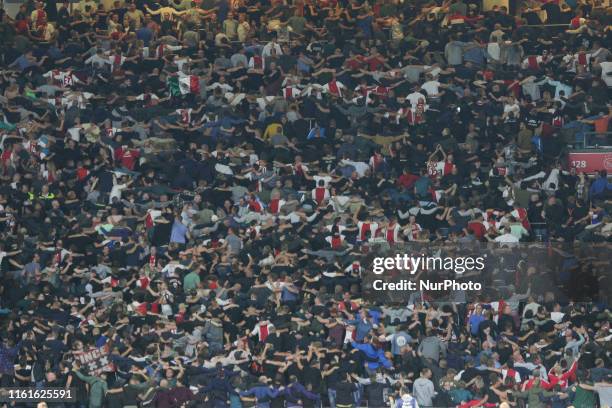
545 25
596 140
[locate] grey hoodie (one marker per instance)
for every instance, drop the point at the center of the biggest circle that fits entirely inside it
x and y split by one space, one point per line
423 391
432 347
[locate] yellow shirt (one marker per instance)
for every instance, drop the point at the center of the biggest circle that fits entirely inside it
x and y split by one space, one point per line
272 129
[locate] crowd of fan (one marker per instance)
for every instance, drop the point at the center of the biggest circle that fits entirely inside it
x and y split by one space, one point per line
191 186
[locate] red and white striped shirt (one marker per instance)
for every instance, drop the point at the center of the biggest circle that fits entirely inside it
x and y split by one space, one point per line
364 227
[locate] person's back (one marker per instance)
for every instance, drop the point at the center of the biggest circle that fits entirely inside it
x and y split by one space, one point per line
191 281
453 51
375 394
583 397
131 392
213 332
344 393
406 401
234 243
475 54
423 389
534 395
145 34
422 186
553 12
191 38
431 347
97 389
399 340
518 231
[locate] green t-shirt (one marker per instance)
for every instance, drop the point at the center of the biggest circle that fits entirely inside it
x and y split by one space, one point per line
584 398
191 281
518 231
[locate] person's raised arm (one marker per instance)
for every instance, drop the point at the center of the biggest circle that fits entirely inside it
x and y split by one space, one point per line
152 12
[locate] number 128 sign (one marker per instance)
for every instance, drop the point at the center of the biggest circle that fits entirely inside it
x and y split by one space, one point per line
590 162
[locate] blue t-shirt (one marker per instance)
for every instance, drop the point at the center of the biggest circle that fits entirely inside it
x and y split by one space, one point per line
422 186
399 340
475 321
179 233
145 34
23 62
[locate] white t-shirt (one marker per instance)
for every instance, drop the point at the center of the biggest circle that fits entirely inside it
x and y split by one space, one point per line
433 71
557 317
326 180
494 51
431 87
606 68
75 133
166 310
414 97
507 238
512 108
116 192
266 52
360 167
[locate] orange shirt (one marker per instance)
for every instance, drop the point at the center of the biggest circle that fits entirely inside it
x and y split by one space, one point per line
601 124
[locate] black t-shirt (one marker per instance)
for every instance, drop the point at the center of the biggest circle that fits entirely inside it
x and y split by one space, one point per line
554 213
532 18
429 221
312 375
464 72
344 393
577 213
375 394
504 321
470 373
80 386
504 354
553 13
